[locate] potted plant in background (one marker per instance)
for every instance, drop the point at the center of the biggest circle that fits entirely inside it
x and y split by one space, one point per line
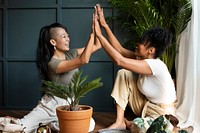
162 124
136 16
73 118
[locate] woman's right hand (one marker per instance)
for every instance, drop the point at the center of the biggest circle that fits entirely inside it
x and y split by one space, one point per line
100 13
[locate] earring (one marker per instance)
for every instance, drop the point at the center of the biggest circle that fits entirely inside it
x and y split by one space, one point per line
54 47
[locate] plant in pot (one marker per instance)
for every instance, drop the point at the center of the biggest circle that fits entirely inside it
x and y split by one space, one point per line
73 118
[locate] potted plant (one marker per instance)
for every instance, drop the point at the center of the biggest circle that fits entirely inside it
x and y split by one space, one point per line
73 118
135 16
162 124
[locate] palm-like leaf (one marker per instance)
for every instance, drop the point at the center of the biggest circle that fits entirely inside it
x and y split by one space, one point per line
183 16
136 16
59 90
88 87
74 90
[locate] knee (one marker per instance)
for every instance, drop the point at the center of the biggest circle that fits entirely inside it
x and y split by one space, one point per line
123 72
127 73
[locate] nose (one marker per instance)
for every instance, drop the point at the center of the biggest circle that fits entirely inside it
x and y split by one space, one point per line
68 39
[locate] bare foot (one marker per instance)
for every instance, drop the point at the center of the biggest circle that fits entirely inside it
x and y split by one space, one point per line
128 123
119 125
116 125
131 126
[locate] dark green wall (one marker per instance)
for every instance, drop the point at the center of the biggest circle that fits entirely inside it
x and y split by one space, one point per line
20 22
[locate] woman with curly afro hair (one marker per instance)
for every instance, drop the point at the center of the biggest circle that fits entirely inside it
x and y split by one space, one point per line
144 83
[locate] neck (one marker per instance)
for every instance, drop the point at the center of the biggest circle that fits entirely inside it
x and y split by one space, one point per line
59 55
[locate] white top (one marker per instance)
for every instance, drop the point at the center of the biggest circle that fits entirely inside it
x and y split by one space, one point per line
158 87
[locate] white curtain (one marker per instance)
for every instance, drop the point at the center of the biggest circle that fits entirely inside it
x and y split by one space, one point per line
188 72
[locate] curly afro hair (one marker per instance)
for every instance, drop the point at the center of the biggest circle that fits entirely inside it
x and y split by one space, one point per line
157 37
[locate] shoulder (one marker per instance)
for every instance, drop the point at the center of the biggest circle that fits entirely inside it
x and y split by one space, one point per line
53 63
156 65
72 53
155 61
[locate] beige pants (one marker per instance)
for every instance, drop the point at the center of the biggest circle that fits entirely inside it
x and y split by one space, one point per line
125 92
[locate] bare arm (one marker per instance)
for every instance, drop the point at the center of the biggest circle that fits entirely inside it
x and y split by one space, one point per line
111 37
67 65
83 53
96 46
138 66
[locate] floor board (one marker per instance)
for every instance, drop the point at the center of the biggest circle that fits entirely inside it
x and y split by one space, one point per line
102 119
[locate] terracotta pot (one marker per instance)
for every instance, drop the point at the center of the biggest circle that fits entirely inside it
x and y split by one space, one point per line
74 121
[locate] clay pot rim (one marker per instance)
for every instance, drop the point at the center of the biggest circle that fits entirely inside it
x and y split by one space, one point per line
85 107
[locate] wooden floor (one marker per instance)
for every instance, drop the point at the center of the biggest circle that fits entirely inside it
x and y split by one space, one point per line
105 119
102 119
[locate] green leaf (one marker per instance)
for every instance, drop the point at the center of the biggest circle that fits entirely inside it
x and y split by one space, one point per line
157 125
136 16
76 89
182 131
139 122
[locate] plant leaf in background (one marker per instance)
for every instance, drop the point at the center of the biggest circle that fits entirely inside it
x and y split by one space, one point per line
136 16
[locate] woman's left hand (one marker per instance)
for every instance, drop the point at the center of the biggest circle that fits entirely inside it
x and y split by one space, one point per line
97 27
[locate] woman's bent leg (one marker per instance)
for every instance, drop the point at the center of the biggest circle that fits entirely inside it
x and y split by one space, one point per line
125 91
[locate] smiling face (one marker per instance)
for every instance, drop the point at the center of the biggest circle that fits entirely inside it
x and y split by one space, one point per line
60 39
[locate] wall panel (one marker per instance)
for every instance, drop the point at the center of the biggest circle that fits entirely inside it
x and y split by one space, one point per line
78 23
20 23
1 83
27 3
23 30
101 96
23 85
82 3
1 33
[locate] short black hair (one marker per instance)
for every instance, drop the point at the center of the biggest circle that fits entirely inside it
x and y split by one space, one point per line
157 37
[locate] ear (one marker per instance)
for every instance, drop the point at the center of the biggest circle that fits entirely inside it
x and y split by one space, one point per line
53 42
152 50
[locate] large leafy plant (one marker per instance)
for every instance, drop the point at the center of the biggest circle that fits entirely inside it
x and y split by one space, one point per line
136 16
72 92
